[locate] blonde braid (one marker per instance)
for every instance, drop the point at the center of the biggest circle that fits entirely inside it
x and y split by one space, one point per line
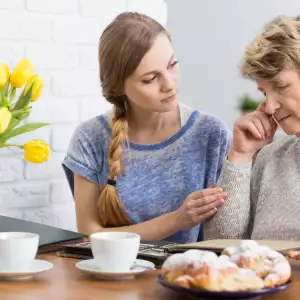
123 44
111 209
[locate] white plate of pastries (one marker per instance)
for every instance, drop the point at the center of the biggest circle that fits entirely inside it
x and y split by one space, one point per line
243 271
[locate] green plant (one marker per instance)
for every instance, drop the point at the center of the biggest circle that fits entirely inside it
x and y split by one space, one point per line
247 103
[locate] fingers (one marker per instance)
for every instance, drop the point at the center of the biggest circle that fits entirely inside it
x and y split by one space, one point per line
206 192
209 199
261 107
267 125
270 125
259 125
200 210
203 204
250 126
273 123
200 218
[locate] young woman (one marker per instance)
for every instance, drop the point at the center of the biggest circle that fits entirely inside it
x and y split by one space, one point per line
148 166
264 203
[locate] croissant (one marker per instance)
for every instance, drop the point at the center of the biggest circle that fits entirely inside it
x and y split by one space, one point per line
246 267
268 264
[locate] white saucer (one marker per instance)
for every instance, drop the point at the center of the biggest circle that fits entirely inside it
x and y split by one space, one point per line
36 267
140 266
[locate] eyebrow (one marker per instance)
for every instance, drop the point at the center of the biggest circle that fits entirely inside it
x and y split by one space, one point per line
154 71
278 81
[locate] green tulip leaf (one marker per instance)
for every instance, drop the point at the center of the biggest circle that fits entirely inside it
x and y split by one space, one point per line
5 102
13 123
22 129
21 114
24 99
4 90
12 94
3 94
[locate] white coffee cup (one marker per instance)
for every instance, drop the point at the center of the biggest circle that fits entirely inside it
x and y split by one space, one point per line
17 250
115 251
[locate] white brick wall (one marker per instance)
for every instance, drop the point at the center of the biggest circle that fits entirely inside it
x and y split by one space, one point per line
53 57
25 26
61 38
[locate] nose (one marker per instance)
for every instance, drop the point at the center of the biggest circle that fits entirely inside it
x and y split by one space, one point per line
168 83
271 104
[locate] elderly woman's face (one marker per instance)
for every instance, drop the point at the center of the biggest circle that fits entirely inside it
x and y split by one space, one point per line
283 99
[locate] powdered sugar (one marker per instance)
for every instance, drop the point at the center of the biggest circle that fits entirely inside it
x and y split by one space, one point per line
191 258
281 268
197 258
255 261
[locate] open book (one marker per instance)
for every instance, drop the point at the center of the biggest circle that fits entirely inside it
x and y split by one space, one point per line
218 245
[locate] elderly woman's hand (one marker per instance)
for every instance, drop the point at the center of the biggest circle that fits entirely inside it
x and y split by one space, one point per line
251 132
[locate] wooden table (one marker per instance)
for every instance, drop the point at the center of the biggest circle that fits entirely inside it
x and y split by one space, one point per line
64 281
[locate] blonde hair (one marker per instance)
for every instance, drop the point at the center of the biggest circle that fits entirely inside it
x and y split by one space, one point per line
276 48
122 46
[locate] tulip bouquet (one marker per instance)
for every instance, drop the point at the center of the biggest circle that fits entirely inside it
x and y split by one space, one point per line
14 110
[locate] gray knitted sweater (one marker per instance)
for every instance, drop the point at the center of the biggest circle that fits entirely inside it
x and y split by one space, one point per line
263 203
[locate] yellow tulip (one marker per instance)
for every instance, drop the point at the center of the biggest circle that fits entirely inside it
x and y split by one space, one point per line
21 73
4 74
36 151
38 82
5 117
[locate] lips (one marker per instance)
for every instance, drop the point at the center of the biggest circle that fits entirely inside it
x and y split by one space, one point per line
282 119
169 98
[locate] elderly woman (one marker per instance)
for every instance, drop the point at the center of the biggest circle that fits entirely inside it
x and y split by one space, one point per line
264 201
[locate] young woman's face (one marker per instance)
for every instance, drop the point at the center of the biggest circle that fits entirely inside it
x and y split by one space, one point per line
154 84
283 99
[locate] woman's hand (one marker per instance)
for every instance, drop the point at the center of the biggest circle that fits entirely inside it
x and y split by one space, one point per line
199 206
251 132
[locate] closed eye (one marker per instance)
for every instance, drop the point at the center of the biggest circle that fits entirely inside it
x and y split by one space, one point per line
282 86
149 80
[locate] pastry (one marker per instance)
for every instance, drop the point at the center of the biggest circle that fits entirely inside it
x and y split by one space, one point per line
245 267
268 264
205 270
